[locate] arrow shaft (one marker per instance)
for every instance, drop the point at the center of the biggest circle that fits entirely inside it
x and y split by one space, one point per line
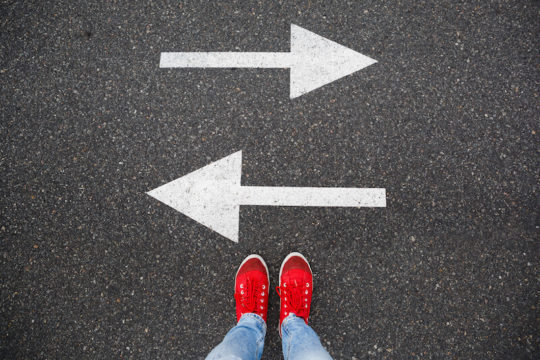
312 196
225 60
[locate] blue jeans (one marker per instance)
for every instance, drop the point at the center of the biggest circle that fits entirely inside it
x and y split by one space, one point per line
245 341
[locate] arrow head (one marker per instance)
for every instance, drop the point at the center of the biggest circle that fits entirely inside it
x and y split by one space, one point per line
317 61
209 195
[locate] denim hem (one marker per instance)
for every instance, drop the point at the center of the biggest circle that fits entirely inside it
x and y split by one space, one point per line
260 322
286 320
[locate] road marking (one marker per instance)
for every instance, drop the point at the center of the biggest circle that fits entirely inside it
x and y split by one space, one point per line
212 195
314 60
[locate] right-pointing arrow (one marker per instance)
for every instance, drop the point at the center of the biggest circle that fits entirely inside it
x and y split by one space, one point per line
213 194
314 60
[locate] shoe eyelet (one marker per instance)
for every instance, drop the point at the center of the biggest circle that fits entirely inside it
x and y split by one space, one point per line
262 300
306 292
285 305
285 313
305 305
264 287
307 284
262 307
242 292
285 298
262 294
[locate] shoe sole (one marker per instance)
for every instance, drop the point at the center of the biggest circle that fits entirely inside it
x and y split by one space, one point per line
254 256
281 271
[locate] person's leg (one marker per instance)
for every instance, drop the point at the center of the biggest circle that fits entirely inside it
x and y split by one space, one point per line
300 342
295 290
246 340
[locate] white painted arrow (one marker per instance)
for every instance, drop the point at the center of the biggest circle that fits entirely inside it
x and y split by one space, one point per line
314 60
213 194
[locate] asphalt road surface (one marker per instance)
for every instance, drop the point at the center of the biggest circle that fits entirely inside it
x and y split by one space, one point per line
446 121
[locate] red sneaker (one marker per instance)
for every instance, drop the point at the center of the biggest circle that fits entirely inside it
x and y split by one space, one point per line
251 287
295 287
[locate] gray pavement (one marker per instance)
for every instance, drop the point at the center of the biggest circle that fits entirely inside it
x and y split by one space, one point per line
446 121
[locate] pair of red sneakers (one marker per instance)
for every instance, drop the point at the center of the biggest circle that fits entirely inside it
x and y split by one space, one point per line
295 287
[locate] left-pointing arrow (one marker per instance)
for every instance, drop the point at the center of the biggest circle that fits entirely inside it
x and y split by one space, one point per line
314 60
213 194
